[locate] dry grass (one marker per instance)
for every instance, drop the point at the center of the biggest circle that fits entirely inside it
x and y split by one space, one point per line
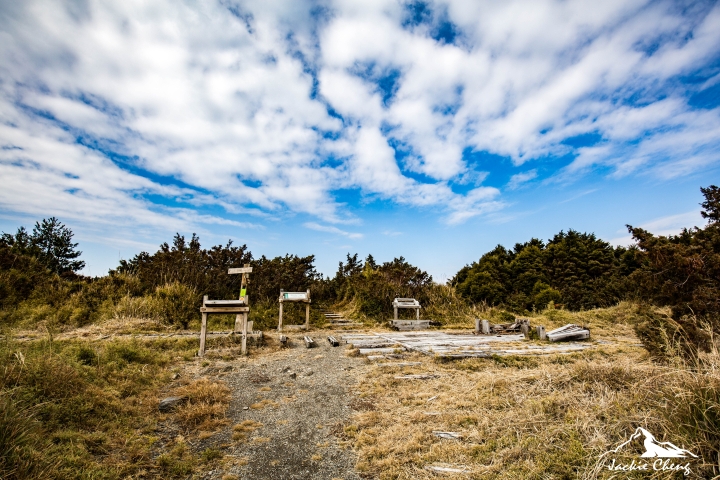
242 430
535 417
205 407
264 403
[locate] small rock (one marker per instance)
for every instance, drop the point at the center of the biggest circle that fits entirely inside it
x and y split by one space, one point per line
246 408
286 369
308 373
170 403
228 368
292 375
175 376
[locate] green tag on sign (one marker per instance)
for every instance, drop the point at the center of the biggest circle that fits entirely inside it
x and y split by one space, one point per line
243 291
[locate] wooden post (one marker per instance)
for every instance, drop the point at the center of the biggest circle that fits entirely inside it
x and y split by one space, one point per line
203 330
525 329
485 327
417 311
244 333
243 289
477 326
307 311
395 308
541 332
281 305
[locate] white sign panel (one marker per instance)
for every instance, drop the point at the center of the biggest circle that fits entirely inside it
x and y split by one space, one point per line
295 295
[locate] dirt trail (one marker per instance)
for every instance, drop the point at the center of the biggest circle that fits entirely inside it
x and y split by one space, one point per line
301 397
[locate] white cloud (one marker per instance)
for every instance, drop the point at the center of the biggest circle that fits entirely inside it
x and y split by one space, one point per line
331 229
519 179
668 225
240 107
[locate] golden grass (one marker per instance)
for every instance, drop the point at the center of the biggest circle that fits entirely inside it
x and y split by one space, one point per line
206 405
264 403
534 417
242 430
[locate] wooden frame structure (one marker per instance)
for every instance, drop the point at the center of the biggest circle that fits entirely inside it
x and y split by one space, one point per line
406 303
303 297
239 307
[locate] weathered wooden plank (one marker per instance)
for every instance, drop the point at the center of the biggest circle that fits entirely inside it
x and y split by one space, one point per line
447 469
448 435
333 341
423 376
283 340
225 303
309 342
399 364
234 271
377 344
366 351
224 309
568 332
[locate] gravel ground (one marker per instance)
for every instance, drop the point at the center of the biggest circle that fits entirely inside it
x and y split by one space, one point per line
302 397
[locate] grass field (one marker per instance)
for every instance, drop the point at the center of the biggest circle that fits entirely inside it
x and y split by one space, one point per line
84 405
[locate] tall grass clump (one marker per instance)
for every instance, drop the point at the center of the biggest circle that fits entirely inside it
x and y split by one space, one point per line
81 409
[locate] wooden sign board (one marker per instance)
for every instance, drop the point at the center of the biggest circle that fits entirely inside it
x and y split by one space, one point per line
295 295
232 271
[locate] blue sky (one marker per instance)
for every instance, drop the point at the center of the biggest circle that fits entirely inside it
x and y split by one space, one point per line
432 130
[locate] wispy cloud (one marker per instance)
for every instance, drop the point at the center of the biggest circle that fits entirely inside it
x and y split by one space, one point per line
331 229
112 112
668 225
519 179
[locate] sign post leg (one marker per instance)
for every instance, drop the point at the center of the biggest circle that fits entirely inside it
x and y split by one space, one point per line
203 331
280 321
307 316
244 333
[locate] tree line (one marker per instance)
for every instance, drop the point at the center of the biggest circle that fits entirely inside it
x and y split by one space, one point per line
573 270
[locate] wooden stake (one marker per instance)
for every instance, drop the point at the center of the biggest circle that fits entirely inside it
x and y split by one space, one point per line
244 333
281 305
203 331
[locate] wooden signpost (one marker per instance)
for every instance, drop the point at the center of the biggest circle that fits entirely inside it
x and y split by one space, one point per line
303 297
239 307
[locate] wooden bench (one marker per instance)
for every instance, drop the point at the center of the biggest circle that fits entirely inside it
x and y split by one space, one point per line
239 307
406 303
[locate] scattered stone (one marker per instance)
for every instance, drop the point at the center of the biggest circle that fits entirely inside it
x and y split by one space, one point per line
175 376
170 403
292 375
309 373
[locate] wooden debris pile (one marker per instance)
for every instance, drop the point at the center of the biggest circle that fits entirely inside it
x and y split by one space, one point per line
568 332
515 327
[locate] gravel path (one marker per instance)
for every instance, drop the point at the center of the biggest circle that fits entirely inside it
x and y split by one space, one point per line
302 397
